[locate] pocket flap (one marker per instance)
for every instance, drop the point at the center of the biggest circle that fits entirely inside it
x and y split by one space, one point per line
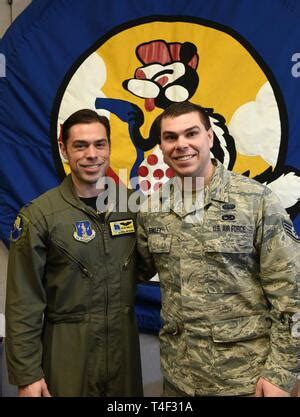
241 328
229 242
65 318
159 243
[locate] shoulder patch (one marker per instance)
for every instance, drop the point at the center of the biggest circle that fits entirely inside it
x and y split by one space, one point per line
290 230
17 229
83 231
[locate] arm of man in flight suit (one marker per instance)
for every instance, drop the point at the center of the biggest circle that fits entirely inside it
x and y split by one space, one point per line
25 304
278 247
146 264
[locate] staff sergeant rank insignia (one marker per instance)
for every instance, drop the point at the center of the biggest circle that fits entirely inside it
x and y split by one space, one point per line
84 232
17 229
290 231
122 227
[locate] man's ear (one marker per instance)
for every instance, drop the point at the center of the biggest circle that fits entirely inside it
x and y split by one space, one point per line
159 142
63 150
210 134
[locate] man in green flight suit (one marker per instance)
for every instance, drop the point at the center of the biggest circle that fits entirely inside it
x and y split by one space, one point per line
227 257
70 322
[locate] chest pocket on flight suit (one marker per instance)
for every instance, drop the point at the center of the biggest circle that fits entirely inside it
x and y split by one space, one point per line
160 245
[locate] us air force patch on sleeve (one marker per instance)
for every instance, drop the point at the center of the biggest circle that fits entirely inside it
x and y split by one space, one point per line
122 227
17 229
290 231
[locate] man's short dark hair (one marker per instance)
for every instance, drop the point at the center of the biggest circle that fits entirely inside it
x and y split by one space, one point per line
84 116
178 109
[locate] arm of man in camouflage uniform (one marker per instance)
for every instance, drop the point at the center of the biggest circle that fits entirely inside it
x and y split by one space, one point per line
25 304
278 248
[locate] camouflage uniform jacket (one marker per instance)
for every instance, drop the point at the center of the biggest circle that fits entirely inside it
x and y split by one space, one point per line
227 270
66 263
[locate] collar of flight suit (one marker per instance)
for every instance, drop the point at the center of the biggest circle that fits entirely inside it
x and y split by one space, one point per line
68 192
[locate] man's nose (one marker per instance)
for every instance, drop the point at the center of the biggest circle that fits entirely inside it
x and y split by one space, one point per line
181 143
91 152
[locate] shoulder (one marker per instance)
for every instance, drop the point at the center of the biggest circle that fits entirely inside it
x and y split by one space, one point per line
33 216
261 194
246 184
253 196
42 205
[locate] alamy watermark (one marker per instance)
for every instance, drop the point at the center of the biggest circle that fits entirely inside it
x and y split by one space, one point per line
180 195
296 67
2 66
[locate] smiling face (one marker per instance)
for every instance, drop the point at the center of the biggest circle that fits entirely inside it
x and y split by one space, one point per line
185 144
87 150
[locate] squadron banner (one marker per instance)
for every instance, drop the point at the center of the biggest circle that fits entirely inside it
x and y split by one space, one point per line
129 61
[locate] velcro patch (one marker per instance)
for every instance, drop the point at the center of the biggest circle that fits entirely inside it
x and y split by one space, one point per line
122 227
290 231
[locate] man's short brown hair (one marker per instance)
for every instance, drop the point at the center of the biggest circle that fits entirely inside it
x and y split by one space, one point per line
178 109
84 116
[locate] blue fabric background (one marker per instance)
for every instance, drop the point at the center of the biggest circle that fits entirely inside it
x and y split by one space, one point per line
47 39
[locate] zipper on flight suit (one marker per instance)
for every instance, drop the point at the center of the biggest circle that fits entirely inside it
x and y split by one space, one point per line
102 229
124 266
73 259
100 226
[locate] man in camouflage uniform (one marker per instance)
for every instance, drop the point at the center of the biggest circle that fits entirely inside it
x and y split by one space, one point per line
227 268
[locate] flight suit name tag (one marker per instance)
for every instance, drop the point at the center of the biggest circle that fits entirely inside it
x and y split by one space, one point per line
121 227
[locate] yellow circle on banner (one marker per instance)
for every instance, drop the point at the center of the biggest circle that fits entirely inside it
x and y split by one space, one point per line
223 85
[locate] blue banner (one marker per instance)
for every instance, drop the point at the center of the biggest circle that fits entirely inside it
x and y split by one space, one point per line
131 59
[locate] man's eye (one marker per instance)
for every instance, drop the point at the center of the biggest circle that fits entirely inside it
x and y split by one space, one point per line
192 133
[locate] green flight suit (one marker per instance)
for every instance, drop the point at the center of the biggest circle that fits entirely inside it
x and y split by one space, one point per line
70 298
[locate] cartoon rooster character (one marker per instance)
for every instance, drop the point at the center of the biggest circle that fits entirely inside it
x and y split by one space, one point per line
168 75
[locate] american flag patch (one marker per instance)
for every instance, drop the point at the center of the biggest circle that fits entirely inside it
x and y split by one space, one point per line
290 231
